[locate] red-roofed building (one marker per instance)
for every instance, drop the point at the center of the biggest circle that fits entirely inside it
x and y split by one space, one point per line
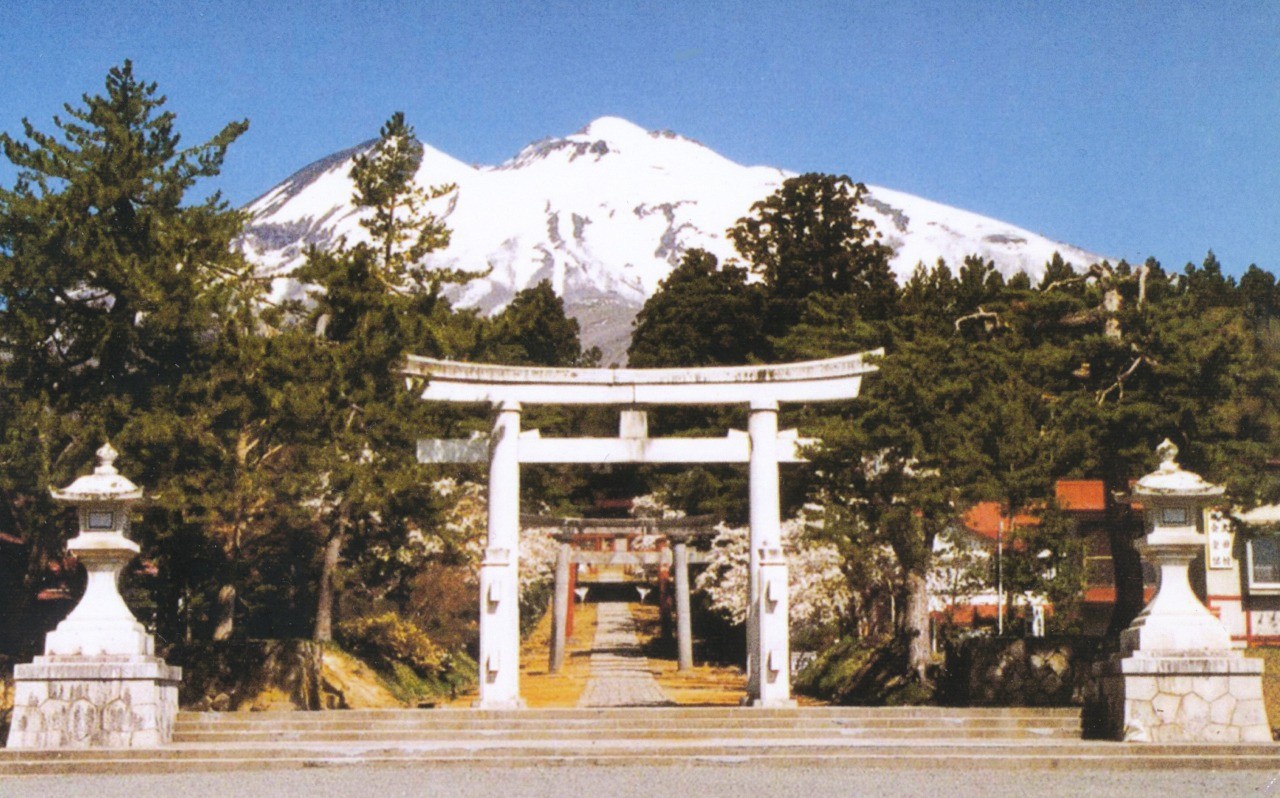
1086 503
1081 495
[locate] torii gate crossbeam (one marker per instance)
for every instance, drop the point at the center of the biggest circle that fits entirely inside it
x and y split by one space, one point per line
507 388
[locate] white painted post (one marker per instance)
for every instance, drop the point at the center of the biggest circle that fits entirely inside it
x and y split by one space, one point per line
500 571
684 625
766 533
560 610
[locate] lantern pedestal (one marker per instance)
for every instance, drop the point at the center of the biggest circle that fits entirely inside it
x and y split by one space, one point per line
1167 699
94 702
99 683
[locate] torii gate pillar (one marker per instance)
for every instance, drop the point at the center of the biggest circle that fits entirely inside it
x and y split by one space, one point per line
768 631
500 570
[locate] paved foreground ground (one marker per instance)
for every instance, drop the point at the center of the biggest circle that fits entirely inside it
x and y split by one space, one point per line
620 675
738 781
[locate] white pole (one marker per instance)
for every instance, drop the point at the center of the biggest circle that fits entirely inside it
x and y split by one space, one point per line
684 625
560 609
500 571
767 632
1000 577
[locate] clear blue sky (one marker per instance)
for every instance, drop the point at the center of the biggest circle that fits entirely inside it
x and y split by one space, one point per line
1129 128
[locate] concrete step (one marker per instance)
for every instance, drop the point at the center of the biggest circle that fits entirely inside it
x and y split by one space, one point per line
642 735
682 723
420 732
666 713
895 755
412 723
859 737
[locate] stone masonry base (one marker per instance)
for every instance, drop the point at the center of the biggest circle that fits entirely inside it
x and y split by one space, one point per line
1214 698
94 702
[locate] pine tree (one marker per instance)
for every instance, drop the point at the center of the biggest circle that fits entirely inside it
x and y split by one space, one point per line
703 314
402 229
807 238
371 305
112 280
118 288
534 330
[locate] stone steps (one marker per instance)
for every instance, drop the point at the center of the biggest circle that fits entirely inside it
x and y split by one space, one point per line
659 724
631 716
867 737
394 738
1110 756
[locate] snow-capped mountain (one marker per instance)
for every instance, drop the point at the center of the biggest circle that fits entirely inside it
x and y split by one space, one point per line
604 214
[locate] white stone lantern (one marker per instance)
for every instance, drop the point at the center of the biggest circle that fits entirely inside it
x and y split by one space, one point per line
101 623
99 683
1175 622
1176 677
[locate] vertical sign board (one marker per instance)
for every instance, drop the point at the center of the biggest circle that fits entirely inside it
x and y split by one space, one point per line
1218 529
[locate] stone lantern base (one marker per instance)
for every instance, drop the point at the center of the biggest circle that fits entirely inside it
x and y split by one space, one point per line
1209 697
105 701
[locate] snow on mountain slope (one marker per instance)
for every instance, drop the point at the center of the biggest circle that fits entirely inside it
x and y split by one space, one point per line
605 214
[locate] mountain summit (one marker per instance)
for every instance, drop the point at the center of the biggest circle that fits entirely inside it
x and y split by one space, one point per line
604 214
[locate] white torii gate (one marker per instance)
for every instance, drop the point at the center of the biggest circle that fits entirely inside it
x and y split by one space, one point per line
507 388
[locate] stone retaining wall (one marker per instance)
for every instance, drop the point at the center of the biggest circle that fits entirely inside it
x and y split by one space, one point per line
1034 672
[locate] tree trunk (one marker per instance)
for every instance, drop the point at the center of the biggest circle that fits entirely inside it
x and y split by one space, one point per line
1127 566
325 599
226 613
916 623
1112 302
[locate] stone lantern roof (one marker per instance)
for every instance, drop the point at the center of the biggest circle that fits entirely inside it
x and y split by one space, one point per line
1169 480
105 484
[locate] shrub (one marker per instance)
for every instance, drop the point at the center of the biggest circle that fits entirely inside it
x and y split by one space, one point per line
863 672
387 640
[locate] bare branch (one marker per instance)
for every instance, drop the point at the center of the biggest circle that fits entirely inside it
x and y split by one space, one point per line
991 318
1118 385
1080 278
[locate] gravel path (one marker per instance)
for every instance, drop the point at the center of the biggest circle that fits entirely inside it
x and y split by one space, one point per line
620 674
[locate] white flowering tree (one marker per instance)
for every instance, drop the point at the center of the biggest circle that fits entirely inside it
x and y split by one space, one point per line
820 595
960 571
466 518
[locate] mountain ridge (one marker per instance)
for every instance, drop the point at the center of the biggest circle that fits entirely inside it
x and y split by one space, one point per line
604 213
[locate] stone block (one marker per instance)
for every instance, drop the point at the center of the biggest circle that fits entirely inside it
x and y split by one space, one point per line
1222 708
1245 688
1140 718
1141 688
1166 705
1193 715
1211 688
1255 734
72 702
1220 733
1165 733
1177 685
1249 713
